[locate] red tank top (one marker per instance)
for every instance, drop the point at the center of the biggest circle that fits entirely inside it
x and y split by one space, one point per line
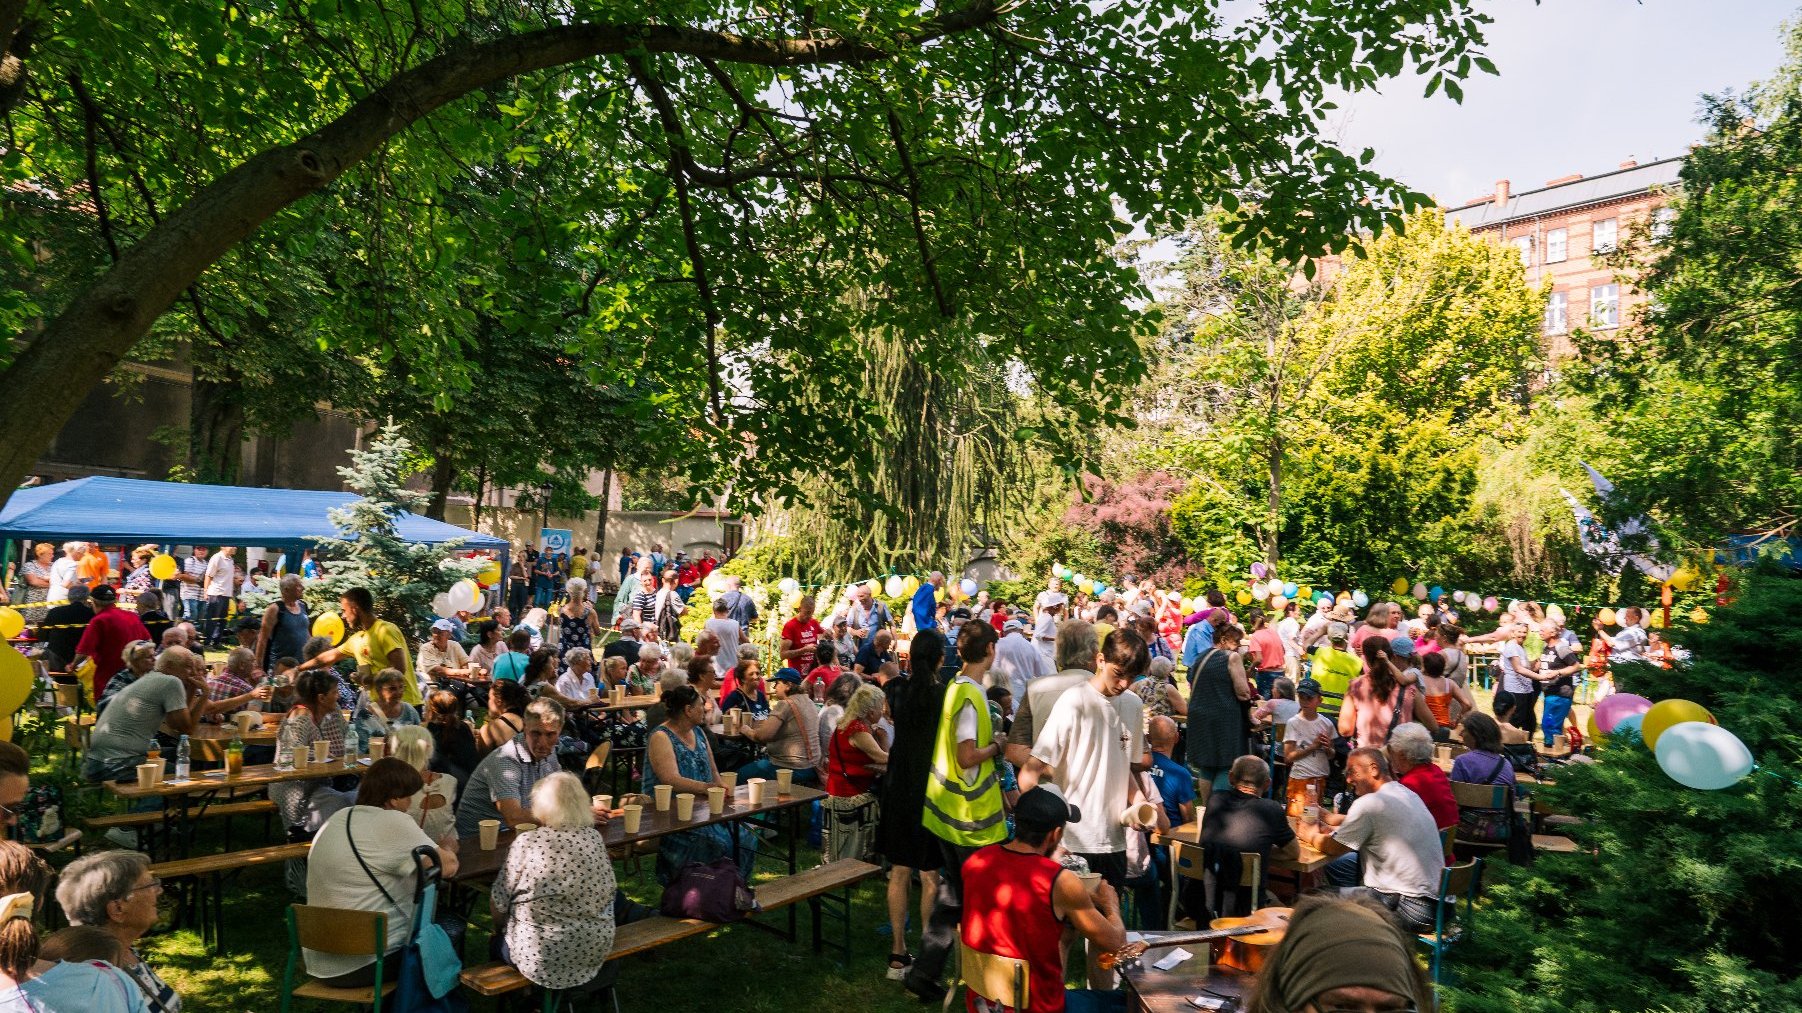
1008 912
849 770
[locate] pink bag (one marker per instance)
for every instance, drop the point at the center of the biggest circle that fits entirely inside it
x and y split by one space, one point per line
711 892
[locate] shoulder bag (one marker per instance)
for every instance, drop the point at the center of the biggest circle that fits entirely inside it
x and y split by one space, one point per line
711 892
429 964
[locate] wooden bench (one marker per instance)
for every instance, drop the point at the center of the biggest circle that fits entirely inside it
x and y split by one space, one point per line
812 886
152 821
197 878
1558 845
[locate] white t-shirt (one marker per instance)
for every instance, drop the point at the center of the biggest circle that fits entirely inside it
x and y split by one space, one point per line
219 574
1085 744
1397 841
1046 599
1628 645
1302 732
386 840
1512 680
576 688
1131 708
1289 632
1018 663
63 572
965 723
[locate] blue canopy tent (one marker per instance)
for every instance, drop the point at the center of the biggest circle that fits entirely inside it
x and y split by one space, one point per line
123 511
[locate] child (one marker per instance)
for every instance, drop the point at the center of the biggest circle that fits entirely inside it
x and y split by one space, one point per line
614 671
1307 747
1279 708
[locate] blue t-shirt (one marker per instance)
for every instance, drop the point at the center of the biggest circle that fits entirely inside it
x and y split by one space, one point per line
89 987
511 666
1174 782
1196 643
925 607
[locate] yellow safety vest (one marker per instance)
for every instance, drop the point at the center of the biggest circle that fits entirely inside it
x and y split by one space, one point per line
968 814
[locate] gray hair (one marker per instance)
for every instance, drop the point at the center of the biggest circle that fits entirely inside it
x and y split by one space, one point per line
241 661
291 580
577 588
680 654
1161 668
559 802
136 647
176 661
544 710
1076 646
149 600
93 881
671 678
867 702
1413 741
70 547
412 744
748 652
579 654
314 646
654 651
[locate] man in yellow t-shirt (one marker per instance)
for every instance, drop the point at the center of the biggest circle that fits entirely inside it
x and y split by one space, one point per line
578 564
374 644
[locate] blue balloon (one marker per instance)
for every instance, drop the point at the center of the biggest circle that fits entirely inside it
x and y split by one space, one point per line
1289 590
1100 589
1434 594
1360 599
1699 755
1630 723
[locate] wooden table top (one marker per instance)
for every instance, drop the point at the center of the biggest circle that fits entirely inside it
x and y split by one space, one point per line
475 863
632 703
1309 860
1169 991
228 731
251 777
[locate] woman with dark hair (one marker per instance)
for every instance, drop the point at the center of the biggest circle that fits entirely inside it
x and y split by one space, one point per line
43 986
306 805
1341 954
1218 697
507 702
914 702
453 744
1482 762
490 645
1379 700
362 860
678 755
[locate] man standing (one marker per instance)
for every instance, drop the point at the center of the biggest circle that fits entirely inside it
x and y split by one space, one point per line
1053 595
726 633
739 606
104 640
963 806
925 605
872 616
1335 667
1394 839
65 624
658 560
66 572
374 644
800 635
220 588
1086 748
1021 900
1016 660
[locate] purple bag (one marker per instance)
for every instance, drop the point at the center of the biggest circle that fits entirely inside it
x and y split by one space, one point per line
710 892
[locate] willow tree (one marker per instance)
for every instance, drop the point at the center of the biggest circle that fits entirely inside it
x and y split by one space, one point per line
969 160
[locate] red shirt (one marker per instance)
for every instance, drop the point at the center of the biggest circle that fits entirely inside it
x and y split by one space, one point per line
849 770
803 635
823 675
104 640
706 565
1435 789
1269 649
1017 920
998 619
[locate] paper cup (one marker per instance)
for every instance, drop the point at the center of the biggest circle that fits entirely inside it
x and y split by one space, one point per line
716 800
488 832
1139 817
754 790
322 751
378 747
685 806
1442 752
603 802
619 695
730 780
148 773
729 726
246 720
1560 742
1091 881
785 779
662 794
632 814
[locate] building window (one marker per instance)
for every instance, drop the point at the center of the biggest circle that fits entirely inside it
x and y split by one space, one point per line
1557 244
1557 313
1524 246
1661 222
1605 306
1604 235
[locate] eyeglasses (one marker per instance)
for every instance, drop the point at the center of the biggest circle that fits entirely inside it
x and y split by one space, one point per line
154 884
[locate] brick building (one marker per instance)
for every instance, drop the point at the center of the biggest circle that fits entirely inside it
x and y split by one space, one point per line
1559 228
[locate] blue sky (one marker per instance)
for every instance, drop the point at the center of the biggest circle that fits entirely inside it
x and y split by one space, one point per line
1584 84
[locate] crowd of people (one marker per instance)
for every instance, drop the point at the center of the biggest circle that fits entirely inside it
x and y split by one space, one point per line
969 745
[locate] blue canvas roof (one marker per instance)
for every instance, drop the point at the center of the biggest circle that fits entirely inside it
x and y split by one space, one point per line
115 511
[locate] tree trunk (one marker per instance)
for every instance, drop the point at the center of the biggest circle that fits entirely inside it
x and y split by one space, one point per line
1273 522
600 524
98 327
444 472
215 431
475 512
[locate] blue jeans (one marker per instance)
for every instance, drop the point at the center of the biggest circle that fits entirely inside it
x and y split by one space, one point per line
763 767
193 610
1557 709
217 605
1267 679
1343 871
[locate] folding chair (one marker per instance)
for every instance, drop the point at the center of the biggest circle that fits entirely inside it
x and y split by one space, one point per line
1004 980
1486 797
1457 883
339 932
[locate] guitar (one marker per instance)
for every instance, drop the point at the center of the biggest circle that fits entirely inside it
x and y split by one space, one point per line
1269 921
1246 951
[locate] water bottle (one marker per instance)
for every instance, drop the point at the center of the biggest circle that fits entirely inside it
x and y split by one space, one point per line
257 705
183 757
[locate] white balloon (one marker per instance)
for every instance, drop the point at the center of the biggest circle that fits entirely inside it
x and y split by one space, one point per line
442 607
461 597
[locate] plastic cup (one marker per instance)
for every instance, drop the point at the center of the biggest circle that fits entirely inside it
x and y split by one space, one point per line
378 747
1442 752
685 806
662 793
603 802
1139 816
785 779
322 751
148 773
244 719
234 763
730 780
1091 881
632 815
716 800
524 828
754 790
488 832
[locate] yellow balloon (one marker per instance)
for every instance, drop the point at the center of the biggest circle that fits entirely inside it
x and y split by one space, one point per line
1400 586
1606 617
162 567
1243 597
1594 733
16 680
1685 578
1666 713
491 574
1700 615
11 622
329 626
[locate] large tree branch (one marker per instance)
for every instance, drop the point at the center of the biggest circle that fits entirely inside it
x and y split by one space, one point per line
83 343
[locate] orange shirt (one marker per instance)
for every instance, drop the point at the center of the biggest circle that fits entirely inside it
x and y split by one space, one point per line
93 568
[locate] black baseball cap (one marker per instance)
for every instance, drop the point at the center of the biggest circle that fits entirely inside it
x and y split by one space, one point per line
1044 808
104 592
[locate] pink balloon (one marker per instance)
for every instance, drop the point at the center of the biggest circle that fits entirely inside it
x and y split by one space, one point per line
1616 706
1258 570
1490 604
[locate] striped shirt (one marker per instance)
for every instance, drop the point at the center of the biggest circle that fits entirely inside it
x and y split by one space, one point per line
194 568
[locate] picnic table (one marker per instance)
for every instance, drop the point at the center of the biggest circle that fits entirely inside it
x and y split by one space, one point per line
1169 991
185 802
209 741
1309 861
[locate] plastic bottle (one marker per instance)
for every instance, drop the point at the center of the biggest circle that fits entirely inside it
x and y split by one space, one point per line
154 753
234 756
184 754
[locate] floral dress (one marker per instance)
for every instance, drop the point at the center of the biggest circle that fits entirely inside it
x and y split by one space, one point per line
35 569
573 633
1155 691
